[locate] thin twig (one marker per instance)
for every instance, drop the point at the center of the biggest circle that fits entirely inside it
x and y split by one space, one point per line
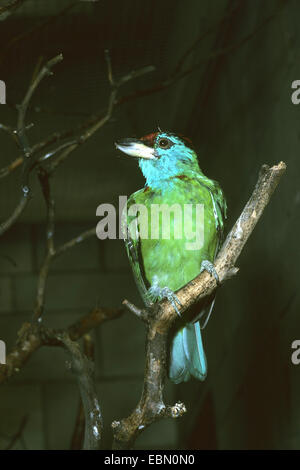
103 120
9 130
109 67
46 70
92 319
18 435
50 250
23 141
8 9
39 147
75 241
4 226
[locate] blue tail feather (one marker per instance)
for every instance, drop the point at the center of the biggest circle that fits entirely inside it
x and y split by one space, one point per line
187 354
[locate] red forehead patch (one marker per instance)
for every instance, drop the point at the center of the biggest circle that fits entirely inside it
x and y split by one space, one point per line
149 139
185 139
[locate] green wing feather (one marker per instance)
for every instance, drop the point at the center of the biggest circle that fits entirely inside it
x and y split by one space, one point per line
133 248
219 203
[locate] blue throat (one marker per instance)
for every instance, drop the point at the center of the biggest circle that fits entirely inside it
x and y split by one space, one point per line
160 173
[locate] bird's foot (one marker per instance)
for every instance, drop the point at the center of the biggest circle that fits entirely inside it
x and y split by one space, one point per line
157 292
209 267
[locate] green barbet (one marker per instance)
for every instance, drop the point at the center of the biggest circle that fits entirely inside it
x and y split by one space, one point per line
169 246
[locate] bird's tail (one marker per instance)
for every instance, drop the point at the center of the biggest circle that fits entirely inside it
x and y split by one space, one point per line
187 354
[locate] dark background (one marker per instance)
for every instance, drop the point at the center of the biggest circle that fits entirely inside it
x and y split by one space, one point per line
236 107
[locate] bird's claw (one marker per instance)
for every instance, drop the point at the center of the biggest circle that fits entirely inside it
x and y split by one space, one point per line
169 294
157 292
209 267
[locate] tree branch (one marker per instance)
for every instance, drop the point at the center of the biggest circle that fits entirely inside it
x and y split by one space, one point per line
151 406
8 9
50 250
177 74
83 368
79 429
23 141
64 149
104 119
32 336
18 435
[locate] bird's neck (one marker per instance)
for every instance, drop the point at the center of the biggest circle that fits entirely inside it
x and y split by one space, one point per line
163 178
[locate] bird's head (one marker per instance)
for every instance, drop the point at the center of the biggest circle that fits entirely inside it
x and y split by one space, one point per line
162 155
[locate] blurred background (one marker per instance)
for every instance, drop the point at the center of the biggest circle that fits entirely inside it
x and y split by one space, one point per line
223 75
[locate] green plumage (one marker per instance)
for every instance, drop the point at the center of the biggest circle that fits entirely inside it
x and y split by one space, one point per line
169 260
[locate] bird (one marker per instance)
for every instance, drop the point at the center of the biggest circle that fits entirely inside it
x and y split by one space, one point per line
163 264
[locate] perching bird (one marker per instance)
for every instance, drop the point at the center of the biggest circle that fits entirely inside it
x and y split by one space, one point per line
163 264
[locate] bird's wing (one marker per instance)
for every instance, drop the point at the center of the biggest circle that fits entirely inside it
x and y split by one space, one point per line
220 214
133 248
219 204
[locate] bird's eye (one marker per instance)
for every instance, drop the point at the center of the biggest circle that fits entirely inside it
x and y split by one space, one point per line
164 143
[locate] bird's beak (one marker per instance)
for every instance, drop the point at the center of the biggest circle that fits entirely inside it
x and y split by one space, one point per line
136 148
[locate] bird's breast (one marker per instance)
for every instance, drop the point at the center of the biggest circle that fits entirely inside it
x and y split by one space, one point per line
178 233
